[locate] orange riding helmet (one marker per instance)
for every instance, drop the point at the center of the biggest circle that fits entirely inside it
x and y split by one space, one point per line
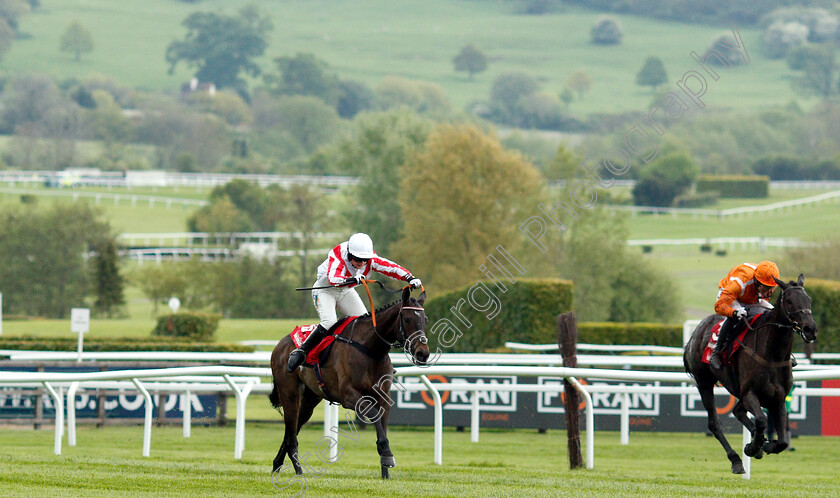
766 272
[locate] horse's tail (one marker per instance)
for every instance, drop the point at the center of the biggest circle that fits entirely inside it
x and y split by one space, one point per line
274 397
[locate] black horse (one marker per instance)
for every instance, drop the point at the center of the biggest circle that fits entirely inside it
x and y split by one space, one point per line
760 374
357 374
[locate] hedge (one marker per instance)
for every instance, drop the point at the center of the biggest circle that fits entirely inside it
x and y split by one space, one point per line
825 304
737 186
36 343
651 334
188 324
525 313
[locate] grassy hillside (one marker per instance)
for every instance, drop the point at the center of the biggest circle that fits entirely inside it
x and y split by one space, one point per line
366 40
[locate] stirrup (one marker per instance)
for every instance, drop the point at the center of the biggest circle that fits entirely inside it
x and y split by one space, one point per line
296 359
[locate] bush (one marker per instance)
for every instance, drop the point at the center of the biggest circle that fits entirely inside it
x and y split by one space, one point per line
664 179
527 314
652 334
100 344
825 304
606 31
735 186
187 324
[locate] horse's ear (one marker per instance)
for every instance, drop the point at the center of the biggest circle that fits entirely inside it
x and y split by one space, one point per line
780 283
801 280
406 294
422 298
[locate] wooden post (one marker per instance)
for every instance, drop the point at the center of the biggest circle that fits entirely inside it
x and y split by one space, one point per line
567 340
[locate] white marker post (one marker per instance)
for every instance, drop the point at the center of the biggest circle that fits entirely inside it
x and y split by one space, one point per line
80 322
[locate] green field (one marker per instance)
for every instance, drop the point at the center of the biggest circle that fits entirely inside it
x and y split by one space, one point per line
107 462
366 40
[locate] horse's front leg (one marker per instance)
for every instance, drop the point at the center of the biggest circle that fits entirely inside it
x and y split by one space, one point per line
377 413
779 416
755 447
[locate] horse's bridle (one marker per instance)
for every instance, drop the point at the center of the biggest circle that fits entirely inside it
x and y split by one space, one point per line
795 325
406 341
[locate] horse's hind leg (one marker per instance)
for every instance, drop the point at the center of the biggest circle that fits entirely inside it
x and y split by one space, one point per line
707 395
291 408
307 404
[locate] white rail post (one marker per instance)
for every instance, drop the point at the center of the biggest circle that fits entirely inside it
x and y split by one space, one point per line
147 423
746 460
186 409
590 423
331 428
71 413
241 398
625 419
438 420
59 416
474 418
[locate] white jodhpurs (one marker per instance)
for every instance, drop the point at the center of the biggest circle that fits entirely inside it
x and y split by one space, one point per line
344 300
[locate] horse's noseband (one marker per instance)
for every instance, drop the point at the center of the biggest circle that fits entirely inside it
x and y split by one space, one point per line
797 326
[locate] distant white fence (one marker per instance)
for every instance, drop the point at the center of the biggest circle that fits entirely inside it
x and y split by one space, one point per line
734 212
173 179
159 254
758 243
205 238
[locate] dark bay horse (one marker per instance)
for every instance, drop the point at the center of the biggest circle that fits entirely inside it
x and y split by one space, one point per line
761 373
358 376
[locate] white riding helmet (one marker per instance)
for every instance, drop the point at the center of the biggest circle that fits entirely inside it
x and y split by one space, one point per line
360 246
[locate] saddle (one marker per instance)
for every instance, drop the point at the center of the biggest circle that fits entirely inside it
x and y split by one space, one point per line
320 352
727 356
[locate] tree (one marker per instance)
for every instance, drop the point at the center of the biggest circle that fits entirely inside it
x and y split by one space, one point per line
664 179
44 271
506 94
420 96
76 40
579 82
606 31
354 98
376 149
652 73
471 60
566 165
461 197
221 47
308 119
109 284
305 74
817 65
566 96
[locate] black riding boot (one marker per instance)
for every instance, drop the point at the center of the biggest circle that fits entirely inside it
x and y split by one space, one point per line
724 337
299 355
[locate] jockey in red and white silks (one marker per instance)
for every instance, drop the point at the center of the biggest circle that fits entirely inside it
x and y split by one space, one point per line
351 260
347 264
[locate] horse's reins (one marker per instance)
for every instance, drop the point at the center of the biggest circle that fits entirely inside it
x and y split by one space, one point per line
794 325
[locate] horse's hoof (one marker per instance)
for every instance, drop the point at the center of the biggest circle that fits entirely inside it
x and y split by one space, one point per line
749 451
738 468
388 461
385 473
